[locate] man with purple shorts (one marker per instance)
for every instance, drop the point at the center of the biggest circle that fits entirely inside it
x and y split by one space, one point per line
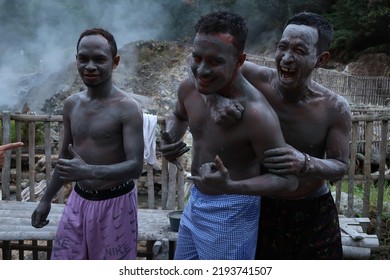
102 151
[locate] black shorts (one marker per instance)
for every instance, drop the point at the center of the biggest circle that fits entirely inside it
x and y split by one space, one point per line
109 193
302 229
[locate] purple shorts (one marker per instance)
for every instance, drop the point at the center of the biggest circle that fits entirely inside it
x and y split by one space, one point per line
98 229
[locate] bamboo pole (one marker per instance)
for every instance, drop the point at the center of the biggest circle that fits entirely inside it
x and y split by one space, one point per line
6 171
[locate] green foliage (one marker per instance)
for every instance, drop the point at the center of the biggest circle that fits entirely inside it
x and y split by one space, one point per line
360 25
39 133
13 134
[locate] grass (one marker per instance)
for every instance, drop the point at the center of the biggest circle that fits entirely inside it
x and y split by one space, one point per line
374 192
383 253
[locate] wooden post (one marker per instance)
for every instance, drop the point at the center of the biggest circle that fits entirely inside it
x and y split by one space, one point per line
381 179
18 133
31 159
164 182
150 185
351 172
180 187
61 195
172 186
367 168
5 174
47 150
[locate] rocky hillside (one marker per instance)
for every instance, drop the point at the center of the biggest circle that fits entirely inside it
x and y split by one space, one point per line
151 72
148 70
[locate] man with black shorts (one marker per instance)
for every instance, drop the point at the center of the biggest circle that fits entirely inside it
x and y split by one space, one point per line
102 151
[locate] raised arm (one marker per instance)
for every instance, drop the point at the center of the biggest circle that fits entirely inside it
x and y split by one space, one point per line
176 125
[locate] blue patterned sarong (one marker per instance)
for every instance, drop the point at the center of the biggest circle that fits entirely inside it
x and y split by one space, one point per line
218 227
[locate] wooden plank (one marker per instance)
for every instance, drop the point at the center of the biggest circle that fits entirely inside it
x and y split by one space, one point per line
368 241
353 221
360 253
152 224
354 234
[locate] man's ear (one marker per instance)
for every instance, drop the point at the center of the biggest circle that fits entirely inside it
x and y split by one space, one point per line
323 59
116 61
241 59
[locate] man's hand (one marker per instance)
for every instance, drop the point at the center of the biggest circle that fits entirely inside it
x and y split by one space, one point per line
7 147
74 169
229 114
213 178
286 160
39 216
172 151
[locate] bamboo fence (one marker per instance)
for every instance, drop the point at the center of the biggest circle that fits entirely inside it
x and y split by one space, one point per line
358 90
172 181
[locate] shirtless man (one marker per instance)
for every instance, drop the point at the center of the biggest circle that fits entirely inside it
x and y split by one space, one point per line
102 151
316 123
223 226
6 147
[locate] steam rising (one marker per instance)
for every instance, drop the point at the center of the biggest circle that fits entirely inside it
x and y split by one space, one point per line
51 46
39 37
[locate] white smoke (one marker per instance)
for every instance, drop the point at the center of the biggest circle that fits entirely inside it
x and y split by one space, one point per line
39 37
53 46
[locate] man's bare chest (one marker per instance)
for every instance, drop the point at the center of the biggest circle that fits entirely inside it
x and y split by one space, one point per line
99 126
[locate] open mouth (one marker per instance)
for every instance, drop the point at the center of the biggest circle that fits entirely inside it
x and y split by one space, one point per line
287 73
205 81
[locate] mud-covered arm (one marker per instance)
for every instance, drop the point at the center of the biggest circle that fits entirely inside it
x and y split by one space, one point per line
287 160
172 147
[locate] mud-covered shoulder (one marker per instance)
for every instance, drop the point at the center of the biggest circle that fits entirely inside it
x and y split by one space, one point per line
335 101
72 100
255 73
260 111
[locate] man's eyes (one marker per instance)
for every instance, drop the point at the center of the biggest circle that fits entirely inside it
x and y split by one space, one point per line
196 59
95 59
301 51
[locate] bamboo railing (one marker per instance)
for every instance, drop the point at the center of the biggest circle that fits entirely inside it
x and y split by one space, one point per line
172 181
369 133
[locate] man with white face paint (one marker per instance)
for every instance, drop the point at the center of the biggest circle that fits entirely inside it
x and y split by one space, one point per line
316 123
223 226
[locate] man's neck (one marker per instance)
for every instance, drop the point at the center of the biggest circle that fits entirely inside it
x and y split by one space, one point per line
294 94
102 91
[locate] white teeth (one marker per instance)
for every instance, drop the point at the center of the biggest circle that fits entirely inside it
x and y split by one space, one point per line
286 69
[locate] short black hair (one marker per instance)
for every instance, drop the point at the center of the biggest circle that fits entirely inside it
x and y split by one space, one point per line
323 26
224 21
100 31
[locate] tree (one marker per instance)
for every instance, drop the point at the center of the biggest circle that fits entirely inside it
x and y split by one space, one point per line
360 26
